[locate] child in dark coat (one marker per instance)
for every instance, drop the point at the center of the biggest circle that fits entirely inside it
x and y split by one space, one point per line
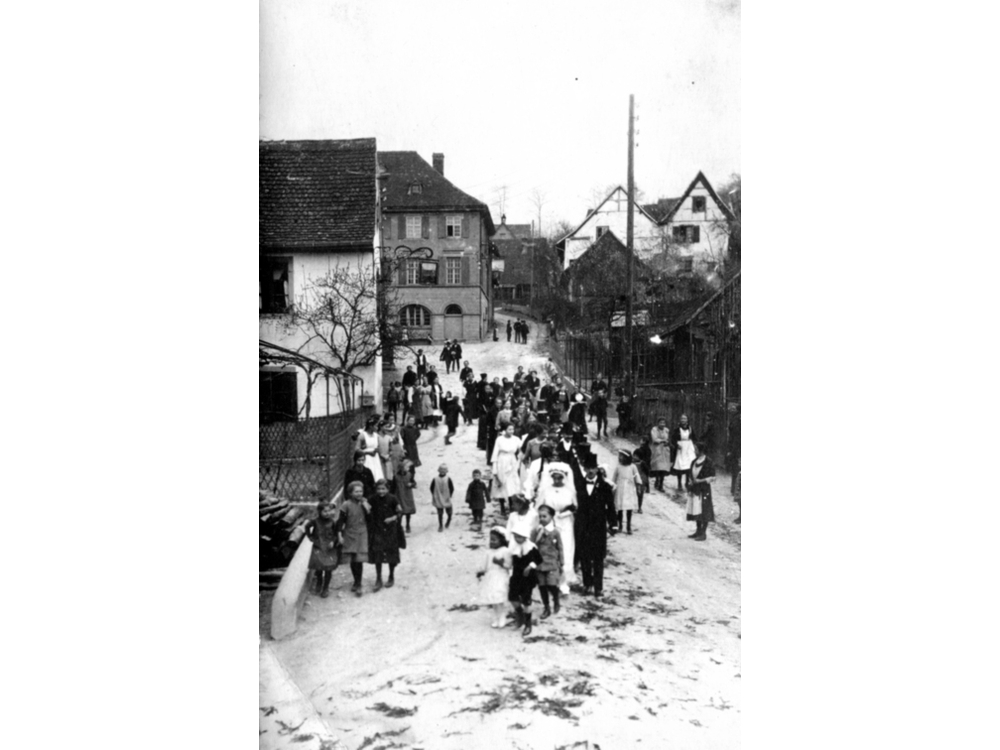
325 552
475 496
549 542
525 559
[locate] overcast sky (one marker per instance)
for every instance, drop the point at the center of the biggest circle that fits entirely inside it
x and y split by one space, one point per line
531 95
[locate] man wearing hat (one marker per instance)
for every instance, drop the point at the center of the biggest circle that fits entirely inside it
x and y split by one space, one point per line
566 447
595 518
561 497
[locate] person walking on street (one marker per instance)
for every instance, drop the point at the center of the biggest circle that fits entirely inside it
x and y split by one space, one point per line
353 520
386 534
409 436
442 490
595 519
599 410
510 330
699 501
659 445
452 408
421 363
626 480
682 452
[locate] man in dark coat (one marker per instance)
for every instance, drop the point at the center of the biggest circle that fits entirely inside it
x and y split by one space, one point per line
566 447
421 363
510 330
409 377
599 384
595 518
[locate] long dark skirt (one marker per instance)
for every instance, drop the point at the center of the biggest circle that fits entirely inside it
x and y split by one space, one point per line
707 508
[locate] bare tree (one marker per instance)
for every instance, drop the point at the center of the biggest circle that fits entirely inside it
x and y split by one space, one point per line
348 317
537 199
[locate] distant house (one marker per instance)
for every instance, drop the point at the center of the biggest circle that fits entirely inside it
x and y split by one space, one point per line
597 282
444 283
522 262
696 228
318 211
611 215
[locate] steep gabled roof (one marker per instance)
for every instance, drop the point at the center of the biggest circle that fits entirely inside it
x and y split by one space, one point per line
711 191
595 210
408 168
661 208
607 242
317 194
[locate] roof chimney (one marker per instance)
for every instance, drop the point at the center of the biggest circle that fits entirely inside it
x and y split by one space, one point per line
439 163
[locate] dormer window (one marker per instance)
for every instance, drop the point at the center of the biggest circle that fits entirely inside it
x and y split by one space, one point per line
414 189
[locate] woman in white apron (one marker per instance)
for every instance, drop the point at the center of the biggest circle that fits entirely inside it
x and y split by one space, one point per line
682 451
368 444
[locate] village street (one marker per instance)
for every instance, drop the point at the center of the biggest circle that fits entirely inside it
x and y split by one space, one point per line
655 663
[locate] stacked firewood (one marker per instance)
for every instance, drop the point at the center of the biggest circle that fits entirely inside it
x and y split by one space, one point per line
282 526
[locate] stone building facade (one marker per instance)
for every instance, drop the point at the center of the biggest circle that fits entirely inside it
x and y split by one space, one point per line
439 239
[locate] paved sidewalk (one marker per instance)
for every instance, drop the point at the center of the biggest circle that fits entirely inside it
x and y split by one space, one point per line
287 718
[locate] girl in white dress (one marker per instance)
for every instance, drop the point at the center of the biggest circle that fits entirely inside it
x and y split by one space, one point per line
626 480
494 575
507 482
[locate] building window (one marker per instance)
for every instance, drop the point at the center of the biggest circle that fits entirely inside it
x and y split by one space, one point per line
453 310
414 189
453 226
601 231
278 395
274 288
687 265
453 271
698 204
414 227
687 233
412 271
415 316
428 272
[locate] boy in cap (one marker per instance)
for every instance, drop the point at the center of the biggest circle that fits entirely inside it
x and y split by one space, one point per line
525 559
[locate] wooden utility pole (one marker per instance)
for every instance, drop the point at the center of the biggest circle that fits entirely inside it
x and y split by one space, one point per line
629 381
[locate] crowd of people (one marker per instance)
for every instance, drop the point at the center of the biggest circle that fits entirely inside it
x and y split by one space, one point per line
558 503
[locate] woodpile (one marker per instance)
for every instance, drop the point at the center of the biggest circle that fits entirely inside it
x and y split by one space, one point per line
282 527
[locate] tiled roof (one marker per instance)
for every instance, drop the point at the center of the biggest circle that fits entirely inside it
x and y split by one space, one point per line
408 168
521 231
317 194
661 208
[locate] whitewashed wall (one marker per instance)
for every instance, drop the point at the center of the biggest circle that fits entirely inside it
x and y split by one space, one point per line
312 266
714 243
614 215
